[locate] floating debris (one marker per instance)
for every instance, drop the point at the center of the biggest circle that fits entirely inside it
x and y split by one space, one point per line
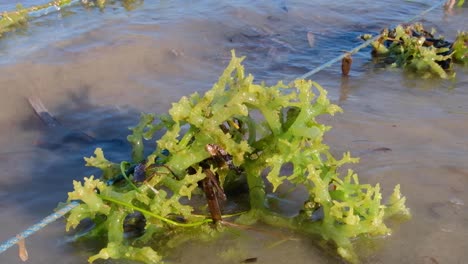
311 39
23 252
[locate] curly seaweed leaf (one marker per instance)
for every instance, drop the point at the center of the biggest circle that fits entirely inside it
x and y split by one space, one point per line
108 168
396 205
92 205
120 251
136 138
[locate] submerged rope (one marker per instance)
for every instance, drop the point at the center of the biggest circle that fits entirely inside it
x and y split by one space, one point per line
34 228
51 9
64 210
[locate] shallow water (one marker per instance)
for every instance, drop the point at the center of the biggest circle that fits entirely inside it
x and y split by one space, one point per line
96 70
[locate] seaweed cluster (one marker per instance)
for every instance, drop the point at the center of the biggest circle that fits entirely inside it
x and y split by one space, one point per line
10 20
413 48
244 137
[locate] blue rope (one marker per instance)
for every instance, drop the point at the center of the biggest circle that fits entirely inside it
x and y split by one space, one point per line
64 210
34 228
51 9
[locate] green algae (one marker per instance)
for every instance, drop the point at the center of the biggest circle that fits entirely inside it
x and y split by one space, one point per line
12 19
262 128
416 50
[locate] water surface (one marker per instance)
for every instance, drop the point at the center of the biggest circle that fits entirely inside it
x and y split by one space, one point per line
97 70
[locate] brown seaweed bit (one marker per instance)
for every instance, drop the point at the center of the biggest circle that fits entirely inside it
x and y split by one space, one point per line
249 260
383 149
221 157
346 64
209 187
23 252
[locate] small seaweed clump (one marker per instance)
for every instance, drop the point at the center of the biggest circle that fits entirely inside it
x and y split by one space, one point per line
239 136
413 48
460 48
12 19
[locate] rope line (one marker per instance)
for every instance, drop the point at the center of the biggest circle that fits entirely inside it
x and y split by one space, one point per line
64 210
38 226
51 9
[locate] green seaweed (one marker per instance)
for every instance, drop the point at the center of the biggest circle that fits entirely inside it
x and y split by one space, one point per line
460 47
10 20
127 4
416 50
263 128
